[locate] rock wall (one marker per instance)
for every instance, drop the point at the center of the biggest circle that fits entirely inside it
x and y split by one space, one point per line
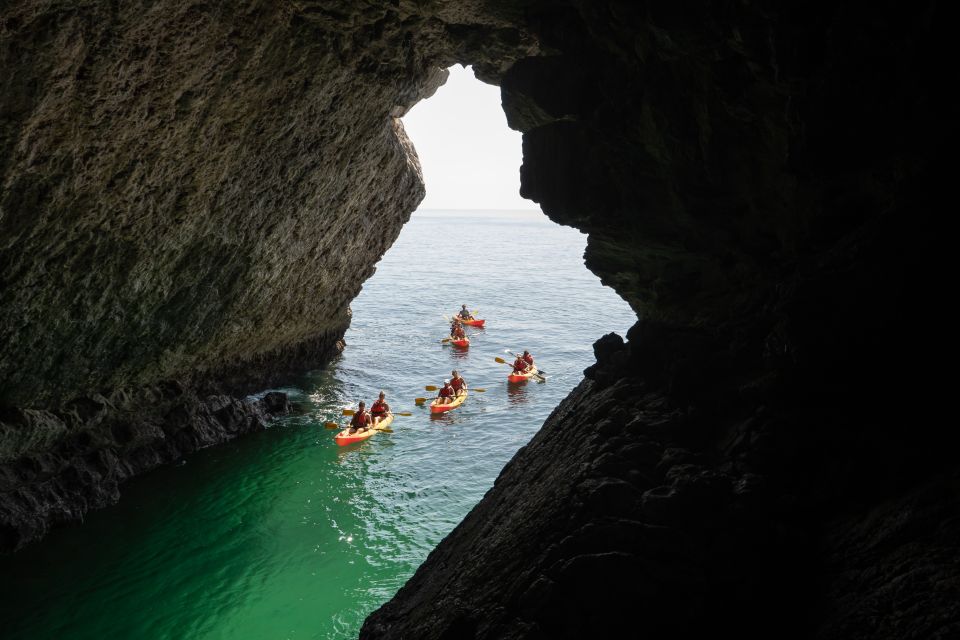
187 187
59 465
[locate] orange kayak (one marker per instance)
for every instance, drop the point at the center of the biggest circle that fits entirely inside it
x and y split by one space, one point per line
473 323
343 439
521 377
460 343
440 408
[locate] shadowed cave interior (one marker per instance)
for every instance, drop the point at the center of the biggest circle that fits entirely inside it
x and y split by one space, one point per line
766 453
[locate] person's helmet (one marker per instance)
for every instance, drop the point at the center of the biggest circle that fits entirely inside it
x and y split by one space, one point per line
446 382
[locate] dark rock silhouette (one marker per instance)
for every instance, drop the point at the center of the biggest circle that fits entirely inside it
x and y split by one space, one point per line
186 194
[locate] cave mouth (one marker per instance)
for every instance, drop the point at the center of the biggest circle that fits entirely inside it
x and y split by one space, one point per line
469 157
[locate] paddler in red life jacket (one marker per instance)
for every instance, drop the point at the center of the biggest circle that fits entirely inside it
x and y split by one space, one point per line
361 420
520 365
458 384
379 409
527 358
456 330
465 314
446 393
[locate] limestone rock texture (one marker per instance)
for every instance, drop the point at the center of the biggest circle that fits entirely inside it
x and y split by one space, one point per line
189 192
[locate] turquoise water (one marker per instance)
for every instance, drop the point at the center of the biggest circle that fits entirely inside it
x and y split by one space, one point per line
285 535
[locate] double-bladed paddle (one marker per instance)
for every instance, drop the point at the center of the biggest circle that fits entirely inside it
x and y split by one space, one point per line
516 356
510 364
351 412
430 387
334 425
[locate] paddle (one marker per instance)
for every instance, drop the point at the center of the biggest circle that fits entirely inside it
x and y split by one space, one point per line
334 425
516 356
502 361
351 412
430 387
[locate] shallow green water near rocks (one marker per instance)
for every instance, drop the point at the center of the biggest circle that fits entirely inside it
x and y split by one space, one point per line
282 534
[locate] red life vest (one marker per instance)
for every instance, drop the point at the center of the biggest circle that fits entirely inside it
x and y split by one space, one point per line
520 365
528 359
457 384
446 392
379 408
359 419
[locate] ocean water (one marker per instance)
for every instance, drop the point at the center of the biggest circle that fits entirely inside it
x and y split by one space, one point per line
285 535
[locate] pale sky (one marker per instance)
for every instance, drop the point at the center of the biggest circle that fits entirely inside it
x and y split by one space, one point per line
470 157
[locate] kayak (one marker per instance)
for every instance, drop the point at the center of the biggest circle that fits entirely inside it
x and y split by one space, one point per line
520 377
460 343
473 323
343 439
440 408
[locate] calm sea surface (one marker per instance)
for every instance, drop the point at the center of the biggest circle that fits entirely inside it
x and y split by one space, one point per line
285 535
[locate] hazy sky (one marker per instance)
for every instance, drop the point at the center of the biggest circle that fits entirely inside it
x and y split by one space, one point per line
470 158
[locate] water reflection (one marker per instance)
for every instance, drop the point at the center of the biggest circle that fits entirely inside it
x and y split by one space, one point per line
459 353
517 393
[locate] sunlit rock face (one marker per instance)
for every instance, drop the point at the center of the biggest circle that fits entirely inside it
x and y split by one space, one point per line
190 192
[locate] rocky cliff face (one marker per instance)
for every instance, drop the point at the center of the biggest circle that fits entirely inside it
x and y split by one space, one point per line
760 182
188 193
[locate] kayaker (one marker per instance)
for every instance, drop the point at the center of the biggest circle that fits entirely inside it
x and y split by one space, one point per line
520 365
445 396
458 384
456 332
361 420
465 314
527 358
379 409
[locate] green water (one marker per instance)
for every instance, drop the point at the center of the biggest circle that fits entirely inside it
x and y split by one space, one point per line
285 535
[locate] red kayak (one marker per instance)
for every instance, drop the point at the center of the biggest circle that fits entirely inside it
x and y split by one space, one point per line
521 377
473 323
460 343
